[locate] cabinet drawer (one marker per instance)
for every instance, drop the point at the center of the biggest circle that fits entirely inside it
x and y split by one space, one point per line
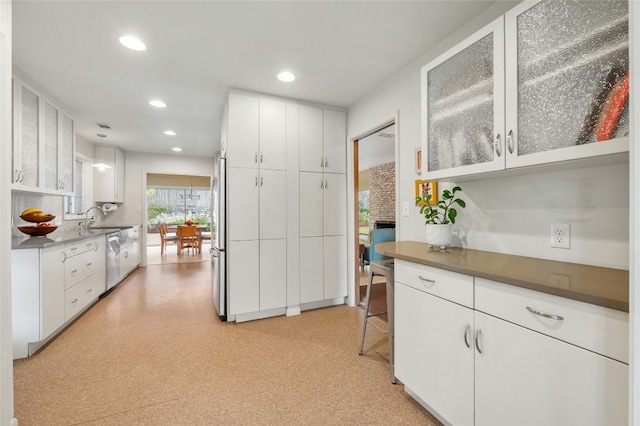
79 296
80 247
78 268
598 329
449 285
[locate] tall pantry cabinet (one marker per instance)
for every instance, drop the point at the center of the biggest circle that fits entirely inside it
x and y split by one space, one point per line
323 198
285 165
256 161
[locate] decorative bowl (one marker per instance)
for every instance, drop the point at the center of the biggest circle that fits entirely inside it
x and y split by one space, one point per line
37 231
38 218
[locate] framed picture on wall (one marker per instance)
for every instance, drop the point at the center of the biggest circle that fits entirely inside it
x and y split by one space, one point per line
425 188
418 160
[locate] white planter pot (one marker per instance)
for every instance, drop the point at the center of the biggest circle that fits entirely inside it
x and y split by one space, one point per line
439 235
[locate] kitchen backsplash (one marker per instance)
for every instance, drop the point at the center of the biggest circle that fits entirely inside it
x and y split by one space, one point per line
51 204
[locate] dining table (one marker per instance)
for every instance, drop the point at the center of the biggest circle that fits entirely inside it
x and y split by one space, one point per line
199 229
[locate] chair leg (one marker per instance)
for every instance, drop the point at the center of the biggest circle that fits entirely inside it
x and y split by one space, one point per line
366 313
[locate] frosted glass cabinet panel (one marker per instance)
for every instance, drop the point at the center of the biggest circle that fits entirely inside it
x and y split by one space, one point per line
68 148
567 80
29 145
51 147
463 108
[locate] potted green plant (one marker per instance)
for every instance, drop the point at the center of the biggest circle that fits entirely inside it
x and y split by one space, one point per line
440 217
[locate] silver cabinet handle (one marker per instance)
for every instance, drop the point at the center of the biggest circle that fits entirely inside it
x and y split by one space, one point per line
510 141
497 145
16 175
326 184
261 180
90 290
428 280
74 301
74 248
326 162
321 183
255 157
478 335
256 180
542 314
467 330
321 162
261 158
74 271
89 264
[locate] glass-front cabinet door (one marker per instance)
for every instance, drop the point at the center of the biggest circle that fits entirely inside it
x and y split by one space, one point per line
463 107
26 144
567 80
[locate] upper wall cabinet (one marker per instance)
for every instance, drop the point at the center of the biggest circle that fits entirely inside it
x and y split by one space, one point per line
322 140
257 132
43 143
563 95
108 181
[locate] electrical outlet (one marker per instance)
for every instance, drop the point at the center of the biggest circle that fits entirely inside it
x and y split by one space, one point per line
561 235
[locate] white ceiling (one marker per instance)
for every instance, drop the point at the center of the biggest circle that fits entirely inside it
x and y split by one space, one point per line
377 148
197 50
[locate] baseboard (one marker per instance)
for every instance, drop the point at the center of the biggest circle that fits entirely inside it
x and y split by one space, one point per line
13 422
293 310
260 314
322 303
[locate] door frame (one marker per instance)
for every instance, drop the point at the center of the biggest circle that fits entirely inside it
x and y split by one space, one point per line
352 206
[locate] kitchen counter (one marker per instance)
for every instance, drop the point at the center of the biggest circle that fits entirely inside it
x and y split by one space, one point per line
58 237
591 284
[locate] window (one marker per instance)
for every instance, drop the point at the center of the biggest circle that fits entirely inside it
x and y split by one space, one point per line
177 205
76 205
363 205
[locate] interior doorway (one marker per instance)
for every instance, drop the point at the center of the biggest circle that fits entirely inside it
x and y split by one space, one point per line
171 201
375 209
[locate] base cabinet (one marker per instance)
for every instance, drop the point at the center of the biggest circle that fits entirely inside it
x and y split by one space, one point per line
435 362
526 378
50 287
323 268
487 363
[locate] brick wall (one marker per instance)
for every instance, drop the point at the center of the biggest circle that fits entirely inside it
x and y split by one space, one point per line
382 193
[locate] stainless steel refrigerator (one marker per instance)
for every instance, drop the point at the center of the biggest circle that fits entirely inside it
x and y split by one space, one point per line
219 249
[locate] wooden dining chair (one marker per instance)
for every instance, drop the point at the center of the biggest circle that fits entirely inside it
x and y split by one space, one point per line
188 238
166 237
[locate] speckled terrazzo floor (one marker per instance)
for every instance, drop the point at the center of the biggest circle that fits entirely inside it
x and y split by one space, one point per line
154 353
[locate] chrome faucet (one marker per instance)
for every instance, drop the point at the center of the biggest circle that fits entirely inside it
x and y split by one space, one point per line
86 216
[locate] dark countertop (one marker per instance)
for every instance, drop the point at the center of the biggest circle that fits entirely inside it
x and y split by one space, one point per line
591 284
57 237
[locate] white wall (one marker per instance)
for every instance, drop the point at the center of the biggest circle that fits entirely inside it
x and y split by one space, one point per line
6 356
507 215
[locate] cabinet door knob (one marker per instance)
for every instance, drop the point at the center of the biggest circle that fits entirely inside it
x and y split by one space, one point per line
497 145
478 335
542 314
467 330
510 141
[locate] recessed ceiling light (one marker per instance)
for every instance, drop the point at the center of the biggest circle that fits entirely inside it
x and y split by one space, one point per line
132 43
169 133
286 76
176 149
157 103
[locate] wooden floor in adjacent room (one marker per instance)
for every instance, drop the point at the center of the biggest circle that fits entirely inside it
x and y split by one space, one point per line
153 352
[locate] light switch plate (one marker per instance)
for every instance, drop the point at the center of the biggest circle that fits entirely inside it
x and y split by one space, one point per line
405 209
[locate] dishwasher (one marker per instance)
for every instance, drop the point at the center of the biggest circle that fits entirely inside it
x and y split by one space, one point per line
113 259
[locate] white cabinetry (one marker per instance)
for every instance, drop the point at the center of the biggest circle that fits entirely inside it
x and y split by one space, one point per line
257 203
50 287
129 254
109 179
563 90
323 205
511 356
43 143
322 140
